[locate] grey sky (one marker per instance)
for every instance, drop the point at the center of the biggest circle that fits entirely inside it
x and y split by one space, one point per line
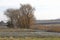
45 9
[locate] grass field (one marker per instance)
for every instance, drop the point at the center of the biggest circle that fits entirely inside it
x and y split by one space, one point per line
28 38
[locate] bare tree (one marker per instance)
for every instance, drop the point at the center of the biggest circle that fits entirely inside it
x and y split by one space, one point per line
12 15
27 15
22 17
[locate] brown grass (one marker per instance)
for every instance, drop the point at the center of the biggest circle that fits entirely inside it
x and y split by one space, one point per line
28 38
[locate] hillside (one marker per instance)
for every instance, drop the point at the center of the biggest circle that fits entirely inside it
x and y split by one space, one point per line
56 21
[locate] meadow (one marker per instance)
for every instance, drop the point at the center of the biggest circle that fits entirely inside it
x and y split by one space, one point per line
28 38
48 35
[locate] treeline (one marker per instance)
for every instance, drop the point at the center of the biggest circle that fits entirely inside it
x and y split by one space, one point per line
20 18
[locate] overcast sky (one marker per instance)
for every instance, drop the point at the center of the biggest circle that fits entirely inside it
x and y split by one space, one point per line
45 9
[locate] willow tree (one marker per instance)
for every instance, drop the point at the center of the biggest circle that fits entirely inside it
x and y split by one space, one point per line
22 17
27 15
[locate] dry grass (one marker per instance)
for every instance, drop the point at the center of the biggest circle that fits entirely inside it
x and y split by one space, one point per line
28 38
53 28
15 30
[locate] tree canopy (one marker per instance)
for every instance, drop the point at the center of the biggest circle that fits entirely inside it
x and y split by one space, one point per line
22 17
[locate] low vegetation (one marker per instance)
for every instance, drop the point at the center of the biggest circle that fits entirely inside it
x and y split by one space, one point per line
15 30
28 38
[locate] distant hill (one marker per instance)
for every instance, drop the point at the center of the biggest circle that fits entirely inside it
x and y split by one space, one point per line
57 21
